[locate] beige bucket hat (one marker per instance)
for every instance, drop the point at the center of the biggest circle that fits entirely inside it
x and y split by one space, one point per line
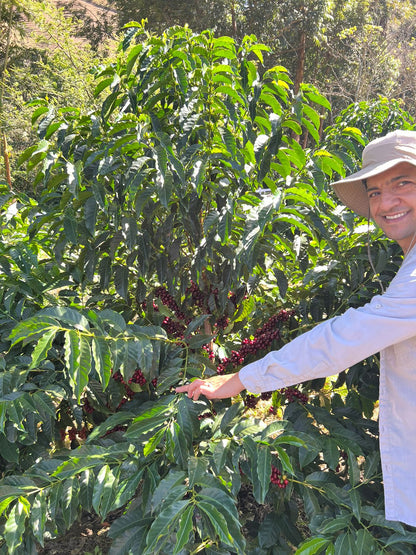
378 156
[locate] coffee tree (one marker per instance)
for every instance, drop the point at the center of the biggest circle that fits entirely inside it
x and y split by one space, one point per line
182 230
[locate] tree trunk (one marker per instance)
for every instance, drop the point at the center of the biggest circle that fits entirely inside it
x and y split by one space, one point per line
300 66
5 153
2 76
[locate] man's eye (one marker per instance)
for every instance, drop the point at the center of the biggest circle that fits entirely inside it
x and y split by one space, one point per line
373 194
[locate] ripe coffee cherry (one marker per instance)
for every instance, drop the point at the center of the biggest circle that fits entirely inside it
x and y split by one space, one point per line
119 428
278 478
163 294
251 401
222 323
175 329
82 433
86 406
197 296
138 377
118 377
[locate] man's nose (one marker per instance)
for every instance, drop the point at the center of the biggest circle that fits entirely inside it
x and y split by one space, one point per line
388 200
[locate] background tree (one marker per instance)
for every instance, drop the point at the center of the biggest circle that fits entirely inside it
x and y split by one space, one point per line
51 63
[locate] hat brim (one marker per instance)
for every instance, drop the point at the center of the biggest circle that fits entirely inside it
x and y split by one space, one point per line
351 190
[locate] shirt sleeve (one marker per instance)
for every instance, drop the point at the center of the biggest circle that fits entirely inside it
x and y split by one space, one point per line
340 342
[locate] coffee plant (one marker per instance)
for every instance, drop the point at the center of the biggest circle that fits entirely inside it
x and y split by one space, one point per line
182 230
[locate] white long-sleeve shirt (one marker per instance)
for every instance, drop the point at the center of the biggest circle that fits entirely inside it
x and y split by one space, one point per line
387 325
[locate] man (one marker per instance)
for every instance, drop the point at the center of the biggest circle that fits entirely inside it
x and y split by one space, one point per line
385 190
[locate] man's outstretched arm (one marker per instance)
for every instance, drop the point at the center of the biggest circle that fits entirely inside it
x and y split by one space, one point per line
217 387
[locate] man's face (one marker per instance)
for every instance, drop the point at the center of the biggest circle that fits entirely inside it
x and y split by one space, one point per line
392 199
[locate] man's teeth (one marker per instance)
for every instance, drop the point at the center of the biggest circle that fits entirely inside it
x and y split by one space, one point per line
395 216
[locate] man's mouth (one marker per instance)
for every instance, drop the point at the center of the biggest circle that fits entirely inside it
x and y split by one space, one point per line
395 216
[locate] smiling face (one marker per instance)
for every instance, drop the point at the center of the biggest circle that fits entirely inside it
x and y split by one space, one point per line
392 199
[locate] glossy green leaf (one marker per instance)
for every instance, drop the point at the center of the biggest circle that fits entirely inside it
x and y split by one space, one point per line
185 530
101 357
105 490
163 523
312 546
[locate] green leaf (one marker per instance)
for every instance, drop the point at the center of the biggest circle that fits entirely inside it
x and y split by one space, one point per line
66 315
197 469
149 420
222 500
15 524
372 465
163 523
345 543
70 500
40 352
171 480
90 213
331 525
312 546
365 542
153 442
289 440
129 533
408 537
331 452
29 330
353 469
185 530
102 360
78 361
231 416
218 521
126 490
264 469
111 422
74 177
284 459
104 493
38 515
121 280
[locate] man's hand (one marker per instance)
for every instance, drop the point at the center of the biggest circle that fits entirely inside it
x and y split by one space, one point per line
217 387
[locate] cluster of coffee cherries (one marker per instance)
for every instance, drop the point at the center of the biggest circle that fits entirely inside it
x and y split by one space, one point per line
171 326
222 323
209 414
167 299
137 378
197 296
119 428
278 478
73 433
251 401
261 341
86 406
292 394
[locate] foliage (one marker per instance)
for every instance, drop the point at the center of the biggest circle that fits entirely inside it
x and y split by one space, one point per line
180 229
352 51
48 63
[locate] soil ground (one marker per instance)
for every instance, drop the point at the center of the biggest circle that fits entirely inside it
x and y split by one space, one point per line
89 536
